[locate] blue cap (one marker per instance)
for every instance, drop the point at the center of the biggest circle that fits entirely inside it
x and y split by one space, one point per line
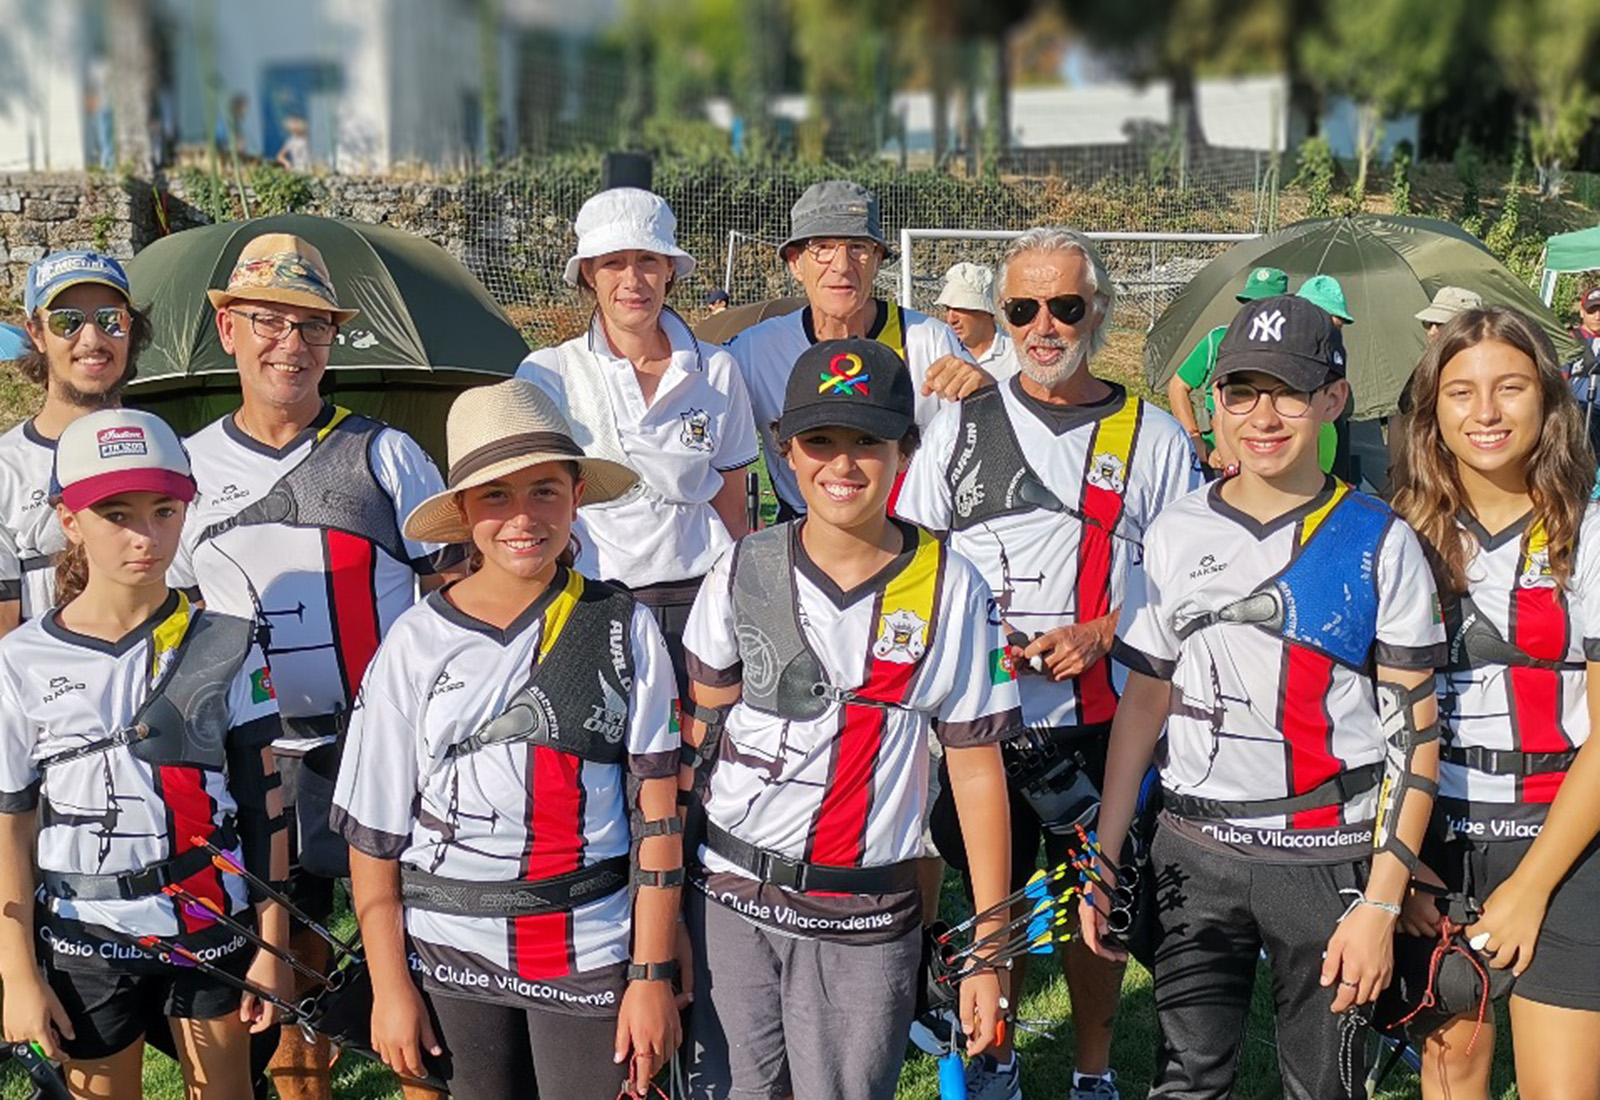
59 270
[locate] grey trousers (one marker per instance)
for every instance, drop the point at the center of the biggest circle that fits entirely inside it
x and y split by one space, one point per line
777 1015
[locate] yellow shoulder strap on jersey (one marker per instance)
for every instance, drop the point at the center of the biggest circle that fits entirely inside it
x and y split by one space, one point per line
168 635
339 413
893 333
908 605
1309 525
560 610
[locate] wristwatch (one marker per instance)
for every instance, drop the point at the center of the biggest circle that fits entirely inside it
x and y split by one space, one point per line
653 972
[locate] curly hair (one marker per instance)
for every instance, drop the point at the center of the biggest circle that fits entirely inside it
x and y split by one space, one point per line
34 365
1560 469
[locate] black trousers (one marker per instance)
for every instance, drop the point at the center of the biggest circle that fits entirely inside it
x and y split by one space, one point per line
1214 914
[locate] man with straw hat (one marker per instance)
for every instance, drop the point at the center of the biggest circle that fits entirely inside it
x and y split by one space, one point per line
297 525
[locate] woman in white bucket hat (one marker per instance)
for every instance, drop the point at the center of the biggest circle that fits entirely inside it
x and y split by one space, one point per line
639 388
510 773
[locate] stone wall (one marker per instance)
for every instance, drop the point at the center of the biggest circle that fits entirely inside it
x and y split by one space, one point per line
42 213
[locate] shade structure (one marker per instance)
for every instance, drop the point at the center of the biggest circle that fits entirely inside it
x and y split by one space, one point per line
1578 251
1389 267
719 328
427 328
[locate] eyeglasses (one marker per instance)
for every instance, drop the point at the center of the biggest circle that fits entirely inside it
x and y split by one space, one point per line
316 332
1069 309
67 323
1241 398
859 252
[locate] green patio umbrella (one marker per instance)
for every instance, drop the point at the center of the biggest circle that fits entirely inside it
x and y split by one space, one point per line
1389 268
426 329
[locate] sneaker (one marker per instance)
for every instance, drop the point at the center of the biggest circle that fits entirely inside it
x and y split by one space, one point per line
987 1081
1102 1088
931 1032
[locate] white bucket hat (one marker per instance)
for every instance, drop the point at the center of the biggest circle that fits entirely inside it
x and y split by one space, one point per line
968 286
625 218
497 430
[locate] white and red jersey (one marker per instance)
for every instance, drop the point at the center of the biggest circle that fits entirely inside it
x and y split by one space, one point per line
30 533
1053 568
1511 708
109 812
849 789
1255 716
766 353
510 812
327 596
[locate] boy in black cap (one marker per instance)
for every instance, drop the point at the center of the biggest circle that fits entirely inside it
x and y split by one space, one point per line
1296 786
828 647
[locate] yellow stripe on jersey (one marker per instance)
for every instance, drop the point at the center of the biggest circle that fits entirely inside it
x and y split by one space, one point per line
1309 525
555 619
1113 444
168 634
339 413
907 608
894 331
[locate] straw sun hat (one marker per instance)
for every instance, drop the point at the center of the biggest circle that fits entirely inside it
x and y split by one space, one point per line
494 431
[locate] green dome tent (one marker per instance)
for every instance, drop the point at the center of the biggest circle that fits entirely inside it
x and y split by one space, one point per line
426 329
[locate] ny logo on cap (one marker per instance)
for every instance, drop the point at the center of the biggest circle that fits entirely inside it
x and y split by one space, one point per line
1267 326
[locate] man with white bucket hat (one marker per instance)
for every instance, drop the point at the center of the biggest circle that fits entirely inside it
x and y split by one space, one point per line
968 301
639 389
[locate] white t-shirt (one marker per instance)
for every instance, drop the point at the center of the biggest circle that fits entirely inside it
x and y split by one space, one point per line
111 812
1031 559
505 813
1519 708
30 534
766 354
697 428
1253 717
777 784
328 598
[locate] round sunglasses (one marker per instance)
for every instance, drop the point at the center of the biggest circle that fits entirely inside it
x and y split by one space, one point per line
1069 309
67 323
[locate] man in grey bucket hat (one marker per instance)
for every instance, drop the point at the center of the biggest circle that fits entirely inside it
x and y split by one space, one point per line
834 249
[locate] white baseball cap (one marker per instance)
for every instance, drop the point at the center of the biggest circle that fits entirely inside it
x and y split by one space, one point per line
119 451
625 218
968 286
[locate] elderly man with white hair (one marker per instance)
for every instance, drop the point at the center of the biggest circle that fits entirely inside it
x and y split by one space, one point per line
1047 482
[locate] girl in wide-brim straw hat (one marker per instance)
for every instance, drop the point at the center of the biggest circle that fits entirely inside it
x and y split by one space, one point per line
639 388
509 724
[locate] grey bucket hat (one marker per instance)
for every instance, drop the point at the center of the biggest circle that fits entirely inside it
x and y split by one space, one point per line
835 208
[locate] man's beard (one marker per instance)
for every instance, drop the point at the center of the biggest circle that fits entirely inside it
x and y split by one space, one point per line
1075 354
109 398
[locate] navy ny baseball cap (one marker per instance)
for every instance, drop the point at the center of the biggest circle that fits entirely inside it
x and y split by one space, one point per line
1288 337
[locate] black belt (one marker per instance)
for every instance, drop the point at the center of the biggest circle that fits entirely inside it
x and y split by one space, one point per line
143 883
473 898
1508 761
1337 791
320 725
805 877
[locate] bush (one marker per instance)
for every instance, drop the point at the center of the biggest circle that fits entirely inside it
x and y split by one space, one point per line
1400 180
1316 174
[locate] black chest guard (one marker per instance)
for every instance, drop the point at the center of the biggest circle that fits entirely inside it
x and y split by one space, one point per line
988 475
186 715
781 675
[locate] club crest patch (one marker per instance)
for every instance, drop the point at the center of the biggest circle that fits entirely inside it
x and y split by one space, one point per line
695 432
1108 472
904 639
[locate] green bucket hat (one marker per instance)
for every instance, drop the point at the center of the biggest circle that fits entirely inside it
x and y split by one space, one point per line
1325 291
1264 282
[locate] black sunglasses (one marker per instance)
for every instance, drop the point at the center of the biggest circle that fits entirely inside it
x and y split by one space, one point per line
1069 309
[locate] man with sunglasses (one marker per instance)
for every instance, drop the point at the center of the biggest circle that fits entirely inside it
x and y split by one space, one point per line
834 250
85 337
1046 483
297 526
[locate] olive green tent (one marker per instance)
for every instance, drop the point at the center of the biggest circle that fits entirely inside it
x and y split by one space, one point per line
426 329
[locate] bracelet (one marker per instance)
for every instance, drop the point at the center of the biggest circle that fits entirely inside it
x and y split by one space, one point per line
1361 899
653 972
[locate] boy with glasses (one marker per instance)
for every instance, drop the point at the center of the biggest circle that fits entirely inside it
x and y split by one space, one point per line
86 336
1284 636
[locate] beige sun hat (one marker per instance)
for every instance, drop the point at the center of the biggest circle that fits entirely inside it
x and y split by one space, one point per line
280 267
1447 302
496 430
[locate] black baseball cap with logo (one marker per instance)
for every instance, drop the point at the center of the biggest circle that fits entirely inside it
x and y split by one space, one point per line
1287 337
852 383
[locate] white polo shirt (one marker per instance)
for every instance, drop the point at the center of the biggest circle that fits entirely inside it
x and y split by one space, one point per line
999 359
30 534
697 428
766 354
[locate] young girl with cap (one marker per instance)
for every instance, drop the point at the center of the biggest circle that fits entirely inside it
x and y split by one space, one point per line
822 652
133 749
1496 480
1295 782
514 740
638 388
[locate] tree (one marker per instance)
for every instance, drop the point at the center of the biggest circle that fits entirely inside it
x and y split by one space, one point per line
1388 56
1548 51
133 90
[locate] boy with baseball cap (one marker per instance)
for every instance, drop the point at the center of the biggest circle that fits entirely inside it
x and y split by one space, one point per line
822 652
1293 779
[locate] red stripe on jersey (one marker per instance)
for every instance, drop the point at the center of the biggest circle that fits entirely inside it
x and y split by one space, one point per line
542 944
353 604
1097 699
1309 732
1539 629
191 813
894 490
